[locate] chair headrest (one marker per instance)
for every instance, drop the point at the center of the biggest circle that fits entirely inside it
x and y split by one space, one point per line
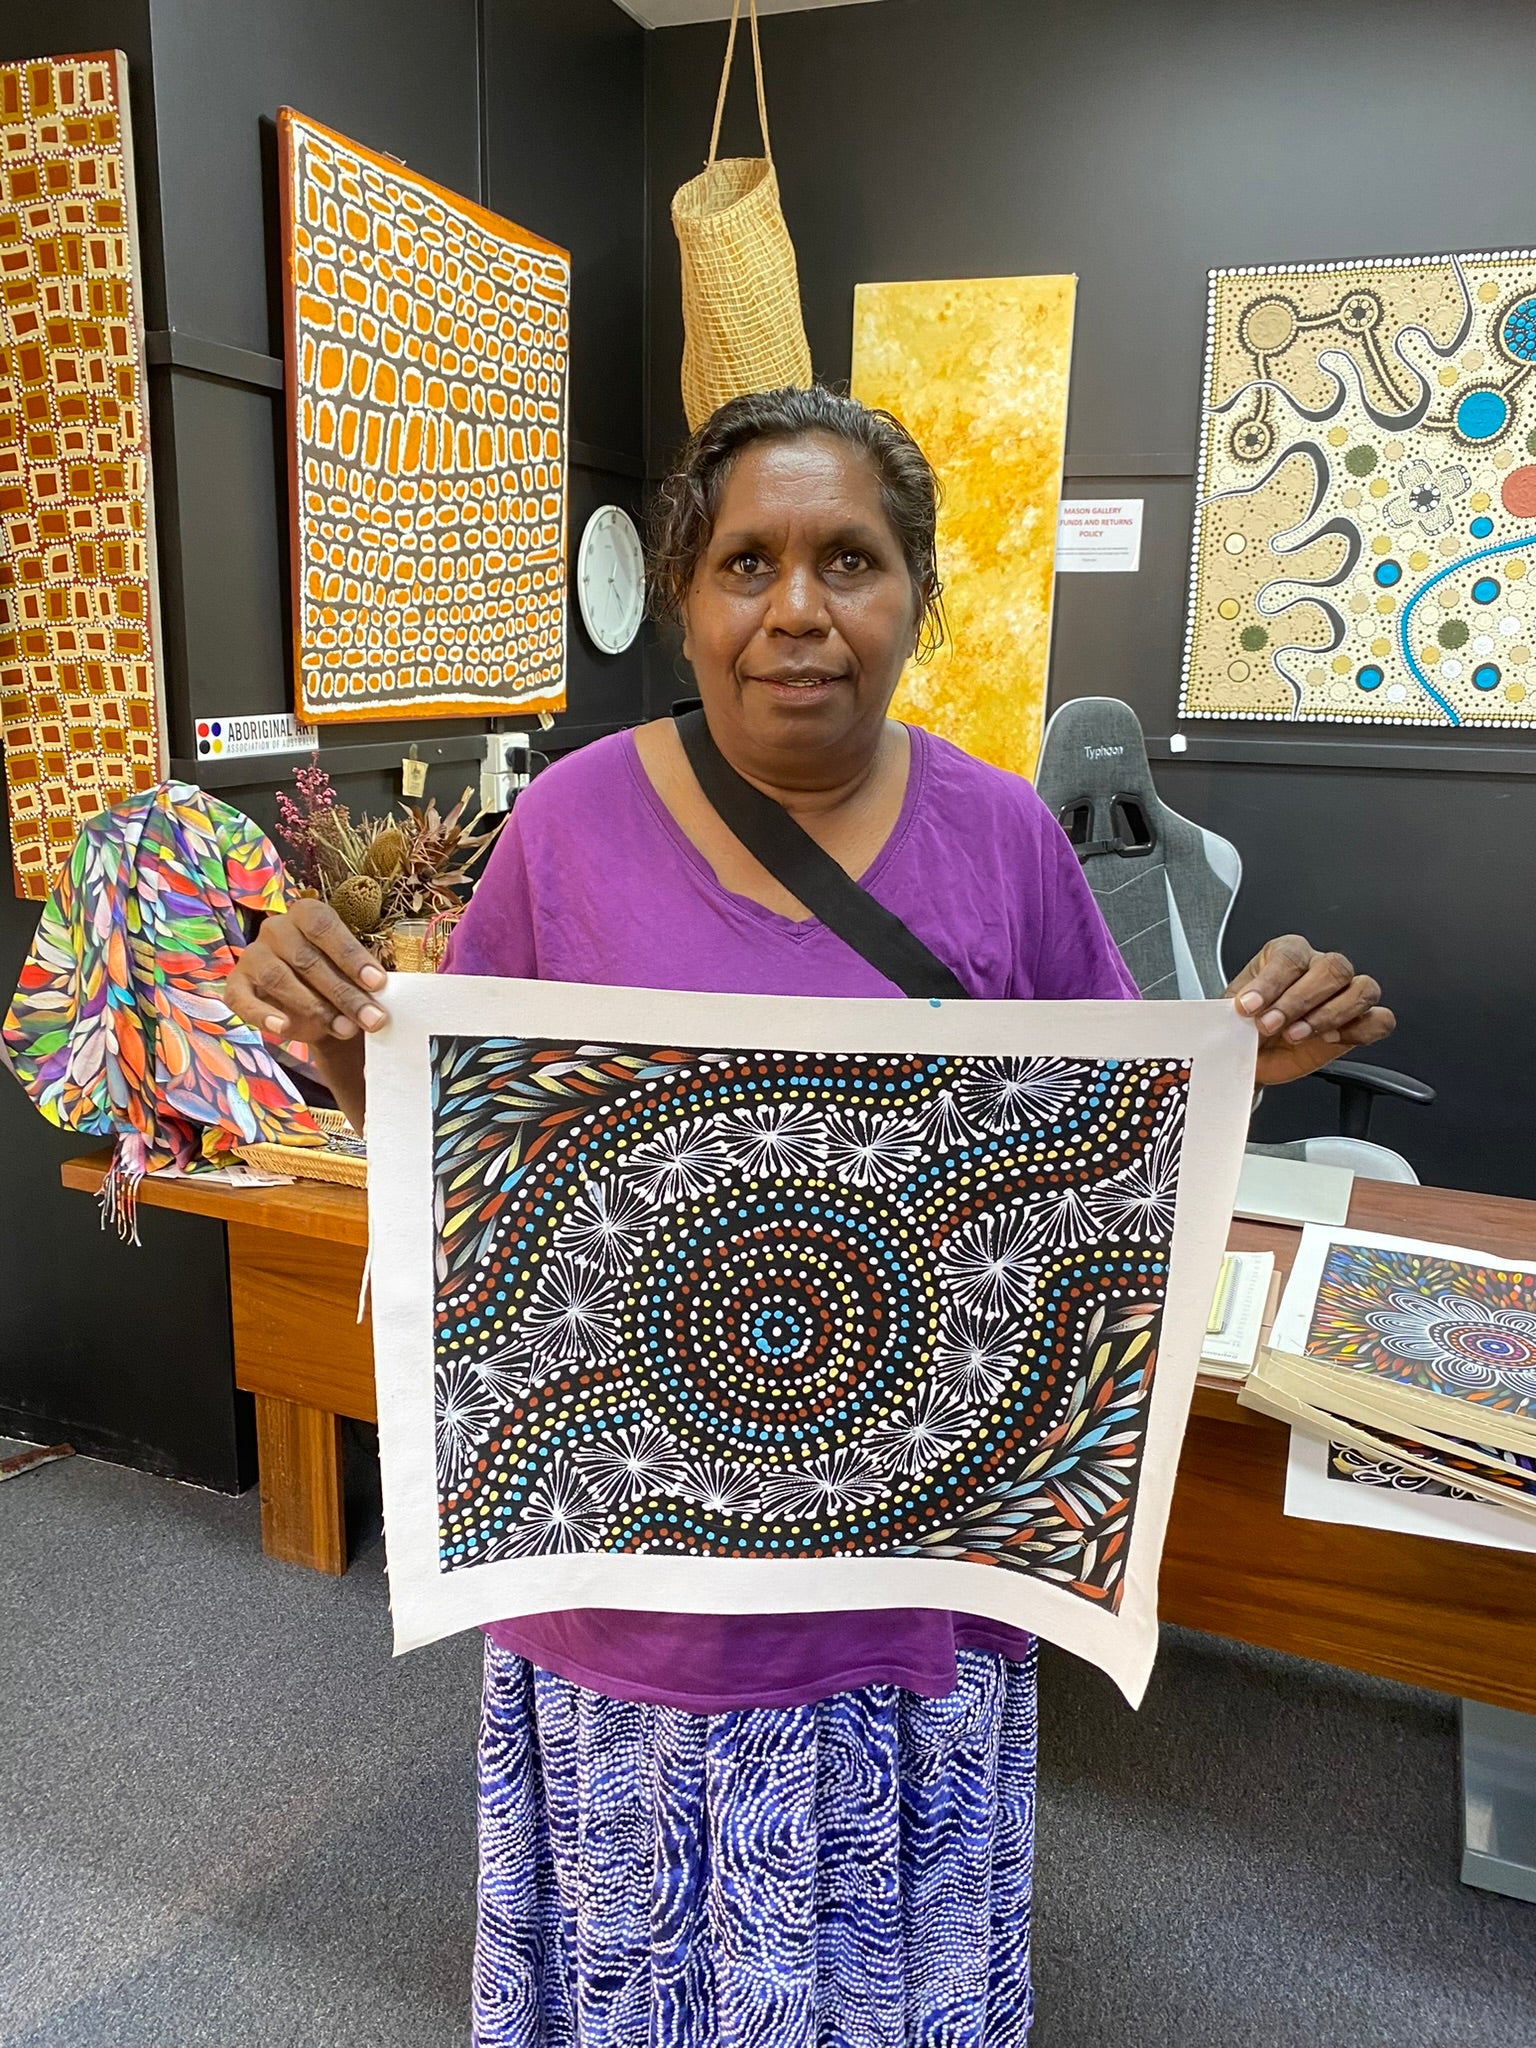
1096 781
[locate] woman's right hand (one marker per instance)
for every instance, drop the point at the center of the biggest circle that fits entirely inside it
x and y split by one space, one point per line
305 976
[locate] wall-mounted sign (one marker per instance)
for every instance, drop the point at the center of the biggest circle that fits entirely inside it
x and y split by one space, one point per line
1095 535
268 732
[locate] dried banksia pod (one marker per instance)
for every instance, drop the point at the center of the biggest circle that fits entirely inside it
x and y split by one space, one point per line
386 853
359 903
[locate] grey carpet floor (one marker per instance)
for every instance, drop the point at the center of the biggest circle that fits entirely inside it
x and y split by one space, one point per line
228 1819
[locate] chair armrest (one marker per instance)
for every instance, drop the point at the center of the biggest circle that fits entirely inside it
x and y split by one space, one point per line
1376 1081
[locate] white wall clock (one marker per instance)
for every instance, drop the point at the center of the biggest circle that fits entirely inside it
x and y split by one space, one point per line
610 579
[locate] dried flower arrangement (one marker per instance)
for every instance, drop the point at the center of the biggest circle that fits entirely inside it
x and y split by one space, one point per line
380 874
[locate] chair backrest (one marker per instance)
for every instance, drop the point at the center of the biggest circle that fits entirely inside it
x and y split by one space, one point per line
1365 1159
1163 883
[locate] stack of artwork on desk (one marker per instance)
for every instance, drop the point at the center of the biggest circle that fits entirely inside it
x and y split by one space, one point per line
1412 1367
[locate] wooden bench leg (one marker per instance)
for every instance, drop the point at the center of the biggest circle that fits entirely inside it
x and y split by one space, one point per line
299 1461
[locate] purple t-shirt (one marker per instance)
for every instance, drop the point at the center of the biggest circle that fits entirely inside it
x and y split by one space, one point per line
592 880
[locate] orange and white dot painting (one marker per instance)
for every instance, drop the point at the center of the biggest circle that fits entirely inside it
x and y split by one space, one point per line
81 699
427 353
1365 522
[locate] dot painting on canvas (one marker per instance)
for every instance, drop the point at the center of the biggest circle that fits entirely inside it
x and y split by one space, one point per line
81 711
427 354
1366 509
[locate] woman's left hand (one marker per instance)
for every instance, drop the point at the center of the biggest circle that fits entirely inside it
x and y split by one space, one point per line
1309 1006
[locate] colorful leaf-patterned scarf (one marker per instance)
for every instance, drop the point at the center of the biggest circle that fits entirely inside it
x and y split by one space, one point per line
119 1026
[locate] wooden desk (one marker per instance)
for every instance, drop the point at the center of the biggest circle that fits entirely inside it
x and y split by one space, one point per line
1446 1615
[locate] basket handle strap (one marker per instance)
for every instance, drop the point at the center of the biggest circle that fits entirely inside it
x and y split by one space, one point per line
725 79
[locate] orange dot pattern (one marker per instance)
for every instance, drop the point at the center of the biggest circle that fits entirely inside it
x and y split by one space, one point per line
428 344
80 694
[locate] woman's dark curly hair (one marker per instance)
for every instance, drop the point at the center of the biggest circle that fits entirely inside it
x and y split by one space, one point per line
684 510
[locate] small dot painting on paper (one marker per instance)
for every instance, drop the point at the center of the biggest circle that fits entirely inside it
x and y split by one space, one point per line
428 344
1365 528
765 1305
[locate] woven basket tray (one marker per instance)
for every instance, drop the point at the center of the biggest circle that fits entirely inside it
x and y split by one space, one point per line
341 1159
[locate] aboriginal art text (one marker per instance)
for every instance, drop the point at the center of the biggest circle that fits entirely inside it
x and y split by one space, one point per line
80 699
427 386
1436 1325
792 1305
1365 527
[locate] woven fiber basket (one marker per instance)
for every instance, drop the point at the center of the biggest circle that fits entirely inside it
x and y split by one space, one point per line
341 1159
742 325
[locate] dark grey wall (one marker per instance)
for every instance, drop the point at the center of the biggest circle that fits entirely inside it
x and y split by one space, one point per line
1140 143
125 1351
535 106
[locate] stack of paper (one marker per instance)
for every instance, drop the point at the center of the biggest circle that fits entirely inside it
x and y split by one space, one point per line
1238 1314
1417 1356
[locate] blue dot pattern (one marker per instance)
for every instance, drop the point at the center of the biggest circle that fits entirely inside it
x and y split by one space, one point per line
1520 331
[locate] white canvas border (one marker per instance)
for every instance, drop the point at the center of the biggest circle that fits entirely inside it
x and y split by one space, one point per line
428 1603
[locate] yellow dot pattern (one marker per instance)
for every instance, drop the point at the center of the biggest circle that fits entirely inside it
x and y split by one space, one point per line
428 374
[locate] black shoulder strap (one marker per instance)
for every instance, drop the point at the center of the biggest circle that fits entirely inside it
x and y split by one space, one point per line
828 891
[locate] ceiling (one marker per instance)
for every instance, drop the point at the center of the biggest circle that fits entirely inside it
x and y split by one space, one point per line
671 13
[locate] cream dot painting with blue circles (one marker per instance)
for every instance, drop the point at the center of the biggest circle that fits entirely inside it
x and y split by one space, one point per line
709 1314
1365 526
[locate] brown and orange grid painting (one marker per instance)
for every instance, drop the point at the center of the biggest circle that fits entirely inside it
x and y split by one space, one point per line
80 693
427 356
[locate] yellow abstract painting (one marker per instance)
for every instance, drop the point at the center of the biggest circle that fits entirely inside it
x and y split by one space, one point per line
977 370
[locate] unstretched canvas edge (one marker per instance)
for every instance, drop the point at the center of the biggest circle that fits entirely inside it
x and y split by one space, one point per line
428 1604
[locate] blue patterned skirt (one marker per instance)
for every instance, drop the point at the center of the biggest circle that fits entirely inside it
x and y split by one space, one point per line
851 1874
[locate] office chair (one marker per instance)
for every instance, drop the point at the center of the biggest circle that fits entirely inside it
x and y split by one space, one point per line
1166 887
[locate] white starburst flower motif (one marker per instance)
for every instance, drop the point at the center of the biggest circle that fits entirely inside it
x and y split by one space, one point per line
973 1357
1460 1338
680 1162
509 1376
559 1516
920 1433
1064 1220
574 1313
605 1225
991 1263
774 1138
1012 1094
1140 1201
466 1415
866 1150
720 1487
836 1480
630 1463
943 1123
